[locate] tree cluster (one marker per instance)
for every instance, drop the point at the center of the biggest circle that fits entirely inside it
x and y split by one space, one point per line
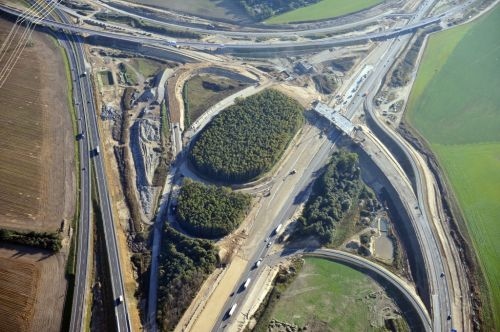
210 211
334 193
248 138
325 84
49 241
184 264
262 9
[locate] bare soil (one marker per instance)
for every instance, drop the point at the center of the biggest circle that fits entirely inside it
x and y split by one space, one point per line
37 182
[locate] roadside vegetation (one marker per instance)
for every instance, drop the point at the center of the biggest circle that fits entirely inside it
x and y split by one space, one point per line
325 84
321 10
43 240
404 71
143 25
454 106
262 9
184 264
324 296
210 211
335 194
128 75
247 139
203 91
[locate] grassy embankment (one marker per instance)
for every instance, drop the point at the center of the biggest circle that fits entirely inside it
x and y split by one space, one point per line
71 262
203 91
323 10
455 106
328 296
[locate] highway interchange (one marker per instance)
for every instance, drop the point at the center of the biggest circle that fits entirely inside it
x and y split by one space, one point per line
399 36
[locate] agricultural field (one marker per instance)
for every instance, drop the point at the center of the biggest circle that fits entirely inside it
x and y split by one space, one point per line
328 296
32 289
18 281
204 91
37 165
323 10
455 107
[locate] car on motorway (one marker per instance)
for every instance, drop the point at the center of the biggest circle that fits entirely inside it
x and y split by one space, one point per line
269 244
257 263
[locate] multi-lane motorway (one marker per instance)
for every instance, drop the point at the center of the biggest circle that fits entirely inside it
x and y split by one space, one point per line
83 95
89 147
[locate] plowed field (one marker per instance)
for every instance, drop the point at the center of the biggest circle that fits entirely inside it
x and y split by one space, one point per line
37 184
18 281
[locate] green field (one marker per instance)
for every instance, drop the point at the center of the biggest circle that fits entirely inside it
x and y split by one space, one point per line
146 67
334 294
203 91
323 10
455 105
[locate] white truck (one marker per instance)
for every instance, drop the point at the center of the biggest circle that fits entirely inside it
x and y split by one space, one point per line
247 282
231 311
277 229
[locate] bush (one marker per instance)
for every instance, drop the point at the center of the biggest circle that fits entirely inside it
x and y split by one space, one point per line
184 264
49 241
248 138
210 211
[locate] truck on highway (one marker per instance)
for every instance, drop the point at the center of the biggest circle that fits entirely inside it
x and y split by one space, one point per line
247 282
96 150
257 263
232 310
119 300
278 228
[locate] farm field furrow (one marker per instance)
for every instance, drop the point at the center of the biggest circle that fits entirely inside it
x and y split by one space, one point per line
323 10
37 182
455 105
18 281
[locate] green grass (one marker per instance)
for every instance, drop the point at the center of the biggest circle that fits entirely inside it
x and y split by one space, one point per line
199 99
146 67
323 10
329 292
455 106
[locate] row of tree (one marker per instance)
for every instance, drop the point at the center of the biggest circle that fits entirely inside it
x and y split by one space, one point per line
262 9
248 138
184 264
210 211
44 240
334 193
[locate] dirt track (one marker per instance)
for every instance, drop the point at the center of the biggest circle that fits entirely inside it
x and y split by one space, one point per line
37 182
